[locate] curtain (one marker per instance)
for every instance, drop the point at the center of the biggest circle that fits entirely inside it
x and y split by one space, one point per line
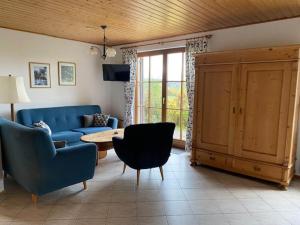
193 46
129 56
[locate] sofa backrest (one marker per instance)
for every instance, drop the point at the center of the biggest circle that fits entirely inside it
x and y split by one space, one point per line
25 151
58 118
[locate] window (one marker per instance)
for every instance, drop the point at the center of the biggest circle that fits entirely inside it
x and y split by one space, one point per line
161 89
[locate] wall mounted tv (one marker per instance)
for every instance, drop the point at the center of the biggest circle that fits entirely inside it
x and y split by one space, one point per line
116 72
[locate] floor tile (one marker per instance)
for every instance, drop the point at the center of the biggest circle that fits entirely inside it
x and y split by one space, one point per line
231 206
219 219
204 207
150 209
182 220
177 208
153 220
122 210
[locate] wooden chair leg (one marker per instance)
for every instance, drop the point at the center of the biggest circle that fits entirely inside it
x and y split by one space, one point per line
84 185
124 168
34 198
137 177
161 172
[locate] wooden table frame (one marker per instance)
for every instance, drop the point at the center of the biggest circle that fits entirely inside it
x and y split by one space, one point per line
103 140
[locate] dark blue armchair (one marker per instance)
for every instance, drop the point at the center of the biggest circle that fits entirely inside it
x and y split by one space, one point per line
145 146
30 157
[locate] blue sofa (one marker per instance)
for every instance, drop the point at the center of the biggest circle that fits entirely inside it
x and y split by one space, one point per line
66 123
30 157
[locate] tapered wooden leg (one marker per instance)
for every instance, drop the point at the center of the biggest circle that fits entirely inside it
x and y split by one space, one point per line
84 185
161 172
124 168
34 198
137 177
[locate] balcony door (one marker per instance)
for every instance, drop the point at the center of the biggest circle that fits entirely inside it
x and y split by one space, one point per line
161 90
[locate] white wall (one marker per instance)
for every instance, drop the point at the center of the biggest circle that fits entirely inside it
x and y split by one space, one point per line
277 33
17 49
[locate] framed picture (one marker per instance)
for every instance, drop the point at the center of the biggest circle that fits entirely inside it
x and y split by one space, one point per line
39 75
66 73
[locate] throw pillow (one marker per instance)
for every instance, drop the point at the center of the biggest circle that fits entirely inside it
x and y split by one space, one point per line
100 120
43 125
88 120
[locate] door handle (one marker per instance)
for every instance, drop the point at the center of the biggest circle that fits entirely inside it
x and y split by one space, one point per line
163 100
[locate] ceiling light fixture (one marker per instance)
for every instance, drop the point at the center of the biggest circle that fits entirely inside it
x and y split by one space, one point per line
107 51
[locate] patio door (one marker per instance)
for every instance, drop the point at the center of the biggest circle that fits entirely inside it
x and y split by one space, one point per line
161 90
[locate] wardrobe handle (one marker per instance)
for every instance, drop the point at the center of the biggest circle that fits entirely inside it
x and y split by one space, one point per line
241 111
233 110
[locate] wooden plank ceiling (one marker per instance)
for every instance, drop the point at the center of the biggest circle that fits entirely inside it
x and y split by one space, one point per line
132 21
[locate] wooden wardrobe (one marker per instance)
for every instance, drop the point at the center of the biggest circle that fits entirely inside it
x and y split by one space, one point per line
246 112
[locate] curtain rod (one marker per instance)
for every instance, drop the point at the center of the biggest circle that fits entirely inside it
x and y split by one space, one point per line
164 42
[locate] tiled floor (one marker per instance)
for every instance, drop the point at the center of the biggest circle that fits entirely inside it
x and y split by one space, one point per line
188 196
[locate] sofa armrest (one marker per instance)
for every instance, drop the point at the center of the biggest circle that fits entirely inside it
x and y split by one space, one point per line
79 160
112 122
77 152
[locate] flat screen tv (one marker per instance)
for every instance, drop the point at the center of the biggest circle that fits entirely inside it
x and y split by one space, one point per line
116 72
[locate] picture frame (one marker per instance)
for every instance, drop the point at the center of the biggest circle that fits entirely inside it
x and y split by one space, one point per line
39 74
66 74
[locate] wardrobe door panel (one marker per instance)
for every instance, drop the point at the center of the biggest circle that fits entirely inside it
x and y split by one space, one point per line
263 112
217 91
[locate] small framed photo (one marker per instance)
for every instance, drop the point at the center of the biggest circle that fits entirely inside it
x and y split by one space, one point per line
39 75
66 74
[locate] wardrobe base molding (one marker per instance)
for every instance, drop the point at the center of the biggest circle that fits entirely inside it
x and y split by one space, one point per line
252 168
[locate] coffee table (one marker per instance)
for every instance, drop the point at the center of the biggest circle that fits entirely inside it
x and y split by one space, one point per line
103 140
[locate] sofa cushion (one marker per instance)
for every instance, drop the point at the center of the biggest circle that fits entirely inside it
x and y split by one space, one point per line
43 125
88 120
91 130
68 136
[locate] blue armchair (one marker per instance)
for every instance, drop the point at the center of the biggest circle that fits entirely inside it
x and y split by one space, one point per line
30 157
145 146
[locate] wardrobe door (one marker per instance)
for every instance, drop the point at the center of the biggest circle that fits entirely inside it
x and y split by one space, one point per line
263 112
215 103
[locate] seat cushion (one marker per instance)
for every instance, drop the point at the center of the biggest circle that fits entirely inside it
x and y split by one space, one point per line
68 136
91 130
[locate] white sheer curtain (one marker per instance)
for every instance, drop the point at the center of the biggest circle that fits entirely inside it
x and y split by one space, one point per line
129 56
193 46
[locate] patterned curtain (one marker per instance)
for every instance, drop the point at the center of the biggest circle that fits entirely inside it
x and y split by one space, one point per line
129 56
193 46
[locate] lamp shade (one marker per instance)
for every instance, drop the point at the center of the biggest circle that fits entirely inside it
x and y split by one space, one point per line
111 52
12 90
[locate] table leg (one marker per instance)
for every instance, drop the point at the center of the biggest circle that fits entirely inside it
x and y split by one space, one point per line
102 154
